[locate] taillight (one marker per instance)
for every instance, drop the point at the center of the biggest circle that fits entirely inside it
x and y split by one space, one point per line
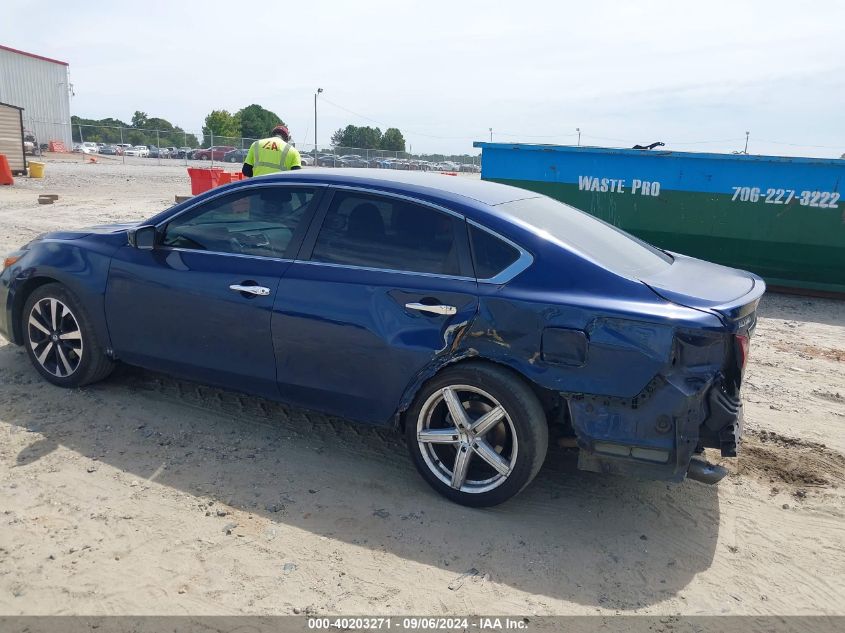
743 345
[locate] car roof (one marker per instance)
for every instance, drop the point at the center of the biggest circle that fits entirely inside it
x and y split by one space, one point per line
489 193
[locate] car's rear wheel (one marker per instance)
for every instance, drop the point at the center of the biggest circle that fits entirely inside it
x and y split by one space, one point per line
477 434
60 339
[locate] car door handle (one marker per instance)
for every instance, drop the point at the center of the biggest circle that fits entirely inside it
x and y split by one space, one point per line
261 291
435 309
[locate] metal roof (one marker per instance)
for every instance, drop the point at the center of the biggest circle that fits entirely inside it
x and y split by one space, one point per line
488 193
33 55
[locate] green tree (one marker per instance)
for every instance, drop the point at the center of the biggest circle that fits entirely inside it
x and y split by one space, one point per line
220 123
393 140
342 135
256 122
96 130
144 130
357 137
179 138
139 119
368 138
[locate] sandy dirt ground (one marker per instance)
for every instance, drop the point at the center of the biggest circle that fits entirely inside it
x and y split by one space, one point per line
150 495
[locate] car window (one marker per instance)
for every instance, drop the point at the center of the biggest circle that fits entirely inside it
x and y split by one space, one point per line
375 232
490 255
253 222
605 244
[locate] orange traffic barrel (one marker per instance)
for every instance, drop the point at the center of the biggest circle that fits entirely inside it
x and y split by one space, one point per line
5 171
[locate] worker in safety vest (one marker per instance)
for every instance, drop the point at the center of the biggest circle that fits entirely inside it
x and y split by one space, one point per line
272 155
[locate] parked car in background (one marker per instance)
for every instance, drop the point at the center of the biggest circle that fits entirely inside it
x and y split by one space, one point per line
235 156
89 147
124 146
354 160
470 168
138 150
306 159
159 152
329 160
184 152
111 150
492 321
213 153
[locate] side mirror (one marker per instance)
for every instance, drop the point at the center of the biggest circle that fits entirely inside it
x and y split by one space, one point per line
143 237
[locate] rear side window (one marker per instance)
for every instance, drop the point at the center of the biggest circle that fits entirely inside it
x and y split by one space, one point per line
392 234
605 244
490 255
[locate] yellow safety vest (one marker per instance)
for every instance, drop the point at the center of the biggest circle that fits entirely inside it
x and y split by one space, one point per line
271 155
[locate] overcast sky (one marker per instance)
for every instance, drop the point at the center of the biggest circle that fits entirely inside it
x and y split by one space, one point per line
445 72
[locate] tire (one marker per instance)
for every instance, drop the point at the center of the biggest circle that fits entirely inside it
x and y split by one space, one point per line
204 157
502 451
69 354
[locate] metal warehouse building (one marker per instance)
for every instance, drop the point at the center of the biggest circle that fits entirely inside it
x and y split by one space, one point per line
41 87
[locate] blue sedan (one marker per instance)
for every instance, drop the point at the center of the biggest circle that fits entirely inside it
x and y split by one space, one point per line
482 320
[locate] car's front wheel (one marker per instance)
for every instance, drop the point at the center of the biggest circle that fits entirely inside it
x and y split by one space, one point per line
477 434
60 340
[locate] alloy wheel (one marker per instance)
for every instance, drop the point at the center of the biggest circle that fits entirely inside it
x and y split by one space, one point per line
467 438
55 337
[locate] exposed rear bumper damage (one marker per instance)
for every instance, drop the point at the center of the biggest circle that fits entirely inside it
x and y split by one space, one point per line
658 434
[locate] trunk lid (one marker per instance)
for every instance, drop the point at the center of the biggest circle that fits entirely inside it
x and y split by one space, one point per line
730 294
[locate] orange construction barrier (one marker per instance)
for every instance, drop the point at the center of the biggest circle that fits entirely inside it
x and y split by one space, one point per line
57 146
203 179
5 171
224 178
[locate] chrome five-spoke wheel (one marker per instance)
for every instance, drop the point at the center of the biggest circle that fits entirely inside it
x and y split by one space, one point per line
467 438
477 433
55 337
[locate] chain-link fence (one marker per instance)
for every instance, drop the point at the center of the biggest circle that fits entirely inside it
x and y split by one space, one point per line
151 146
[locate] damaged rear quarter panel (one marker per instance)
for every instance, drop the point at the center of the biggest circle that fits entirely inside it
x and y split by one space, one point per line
643 380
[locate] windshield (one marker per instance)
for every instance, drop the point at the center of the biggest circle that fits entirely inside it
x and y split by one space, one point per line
603 243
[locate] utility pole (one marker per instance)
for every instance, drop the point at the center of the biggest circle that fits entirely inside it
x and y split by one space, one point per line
319 90
578 129
491 134
746 142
